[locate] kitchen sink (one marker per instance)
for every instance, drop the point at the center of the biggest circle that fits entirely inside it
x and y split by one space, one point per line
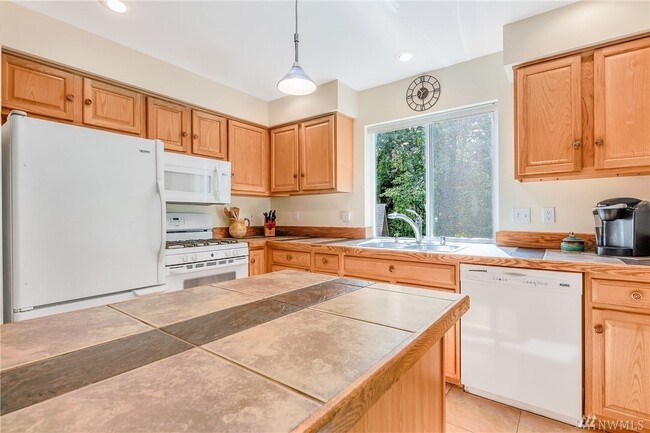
410 246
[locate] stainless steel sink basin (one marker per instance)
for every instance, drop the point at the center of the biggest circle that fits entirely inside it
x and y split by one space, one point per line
436 248
379 243
410 246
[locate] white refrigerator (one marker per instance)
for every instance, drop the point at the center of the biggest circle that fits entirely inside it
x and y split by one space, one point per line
83 217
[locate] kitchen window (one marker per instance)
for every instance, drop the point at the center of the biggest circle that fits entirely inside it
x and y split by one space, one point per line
441 166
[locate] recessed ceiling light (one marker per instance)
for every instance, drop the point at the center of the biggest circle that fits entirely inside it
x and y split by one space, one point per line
116 6
405 56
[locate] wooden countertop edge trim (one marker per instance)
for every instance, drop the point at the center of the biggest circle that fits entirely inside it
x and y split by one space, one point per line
342 411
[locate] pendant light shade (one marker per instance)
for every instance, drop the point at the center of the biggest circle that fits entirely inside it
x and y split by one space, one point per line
296 81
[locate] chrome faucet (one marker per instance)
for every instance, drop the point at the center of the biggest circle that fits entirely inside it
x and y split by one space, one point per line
443 240
416 224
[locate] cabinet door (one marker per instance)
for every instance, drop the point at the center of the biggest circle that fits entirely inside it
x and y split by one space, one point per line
39 89
548 117
622 105
209 135
284 159
317 155
256 263
170 123
112 107
621 365
248 151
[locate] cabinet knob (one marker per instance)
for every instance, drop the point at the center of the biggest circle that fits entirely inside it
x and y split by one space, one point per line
391 268
253 261
577 144
289 257
324 260
302 174
599 142
598 329
69 97
195 136
637 296
88 101
232 174
184 134
295 176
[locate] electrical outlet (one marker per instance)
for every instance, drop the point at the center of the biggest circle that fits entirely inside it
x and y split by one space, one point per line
548 215
521 215
296 215
345 216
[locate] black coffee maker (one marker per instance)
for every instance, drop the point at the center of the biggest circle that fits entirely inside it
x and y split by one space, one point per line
622 227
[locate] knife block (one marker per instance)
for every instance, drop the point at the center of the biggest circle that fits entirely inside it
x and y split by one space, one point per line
269 232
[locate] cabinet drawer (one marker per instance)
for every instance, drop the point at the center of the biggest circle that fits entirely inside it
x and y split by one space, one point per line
621 293
292 258
425 274
326 262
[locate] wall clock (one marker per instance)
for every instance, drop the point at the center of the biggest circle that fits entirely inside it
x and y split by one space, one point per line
423 93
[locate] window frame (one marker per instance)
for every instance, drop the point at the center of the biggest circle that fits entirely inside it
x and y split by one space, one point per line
427 122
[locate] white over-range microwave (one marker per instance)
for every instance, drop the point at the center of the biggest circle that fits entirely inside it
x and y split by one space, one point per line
190 179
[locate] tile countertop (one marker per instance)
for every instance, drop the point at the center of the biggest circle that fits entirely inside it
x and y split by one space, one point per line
278 352
491 254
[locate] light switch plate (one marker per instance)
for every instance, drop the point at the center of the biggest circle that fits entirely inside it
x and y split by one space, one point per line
345 216
548 215
296 215
521 215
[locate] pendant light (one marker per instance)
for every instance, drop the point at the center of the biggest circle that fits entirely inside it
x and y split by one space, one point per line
296 81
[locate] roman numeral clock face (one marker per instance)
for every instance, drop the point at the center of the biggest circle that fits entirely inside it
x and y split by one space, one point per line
423 93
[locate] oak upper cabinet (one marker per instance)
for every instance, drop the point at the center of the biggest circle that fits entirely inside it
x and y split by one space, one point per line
617 351
248 152
548 117
170 123
256 262
622 105
284 159
314 156
112 107
40 89
209 135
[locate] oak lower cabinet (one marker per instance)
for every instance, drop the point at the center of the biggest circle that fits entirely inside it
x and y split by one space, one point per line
40 89
312 157
170 123
209 135
622 105
248 153
256 262
548 117
617 353
112 107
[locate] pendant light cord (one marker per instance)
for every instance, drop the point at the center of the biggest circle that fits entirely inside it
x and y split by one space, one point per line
295 35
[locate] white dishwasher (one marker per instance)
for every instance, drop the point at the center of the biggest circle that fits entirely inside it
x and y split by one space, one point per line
521 340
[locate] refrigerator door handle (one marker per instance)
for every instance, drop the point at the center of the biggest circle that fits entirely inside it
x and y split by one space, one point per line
163 215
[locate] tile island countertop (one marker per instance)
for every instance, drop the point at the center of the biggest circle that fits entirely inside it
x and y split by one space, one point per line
287 351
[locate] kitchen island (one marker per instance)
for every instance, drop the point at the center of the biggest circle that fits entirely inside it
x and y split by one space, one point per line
288 351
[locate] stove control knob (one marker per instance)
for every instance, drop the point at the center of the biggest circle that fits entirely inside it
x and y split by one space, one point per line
195 257
185 258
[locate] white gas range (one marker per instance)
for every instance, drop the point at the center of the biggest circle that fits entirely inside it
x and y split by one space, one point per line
193 258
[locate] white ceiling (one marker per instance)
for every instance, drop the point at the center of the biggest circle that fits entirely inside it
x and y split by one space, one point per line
248 45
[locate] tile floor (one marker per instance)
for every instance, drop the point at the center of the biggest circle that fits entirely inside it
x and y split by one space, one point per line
468 413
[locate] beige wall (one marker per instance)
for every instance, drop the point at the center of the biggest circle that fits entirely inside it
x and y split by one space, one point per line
30 32
575 26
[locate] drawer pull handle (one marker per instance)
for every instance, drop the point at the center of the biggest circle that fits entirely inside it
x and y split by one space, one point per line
637 296
69 97
391 268
289 257
295 176
599 142
184 134
253 261
88 101
324 260
598 329
195 136
577 144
